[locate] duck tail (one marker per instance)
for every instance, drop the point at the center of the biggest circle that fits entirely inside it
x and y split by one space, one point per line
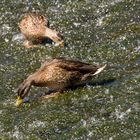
101 68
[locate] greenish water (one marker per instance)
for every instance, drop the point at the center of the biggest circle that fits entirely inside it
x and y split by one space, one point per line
106 32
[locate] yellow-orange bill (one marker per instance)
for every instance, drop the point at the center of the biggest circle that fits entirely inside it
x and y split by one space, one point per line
19 101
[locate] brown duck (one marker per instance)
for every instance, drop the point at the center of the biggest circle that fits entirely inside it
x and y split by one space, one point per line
59 74
35 28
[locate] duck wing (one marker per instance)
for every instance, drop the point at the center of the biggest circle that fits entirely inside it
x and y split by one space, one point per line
74 65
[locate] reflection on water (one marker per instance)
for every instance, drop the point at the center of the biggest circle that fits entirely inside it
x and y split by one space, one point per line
104 32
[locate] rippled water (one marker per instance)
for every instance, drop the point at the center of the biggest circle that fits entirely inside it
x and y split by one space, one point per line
106 32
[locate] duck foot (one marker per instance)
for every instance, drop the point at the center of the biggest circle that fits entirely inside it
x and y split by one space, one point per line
54 94
28 44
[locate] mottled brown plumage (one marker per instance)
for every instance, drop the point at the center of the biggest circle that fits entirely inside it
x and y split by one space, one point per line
35 28
60 74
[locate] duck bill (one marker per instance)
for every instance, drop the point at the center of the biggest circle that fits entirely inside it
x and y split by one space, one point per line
19 101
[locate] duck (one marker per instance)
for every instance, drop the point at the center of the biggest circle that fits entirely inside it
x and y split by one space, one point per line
59 74
35 27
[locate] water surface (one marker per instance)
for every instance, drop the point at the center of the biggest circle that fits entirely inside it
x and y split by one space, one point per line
106 32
